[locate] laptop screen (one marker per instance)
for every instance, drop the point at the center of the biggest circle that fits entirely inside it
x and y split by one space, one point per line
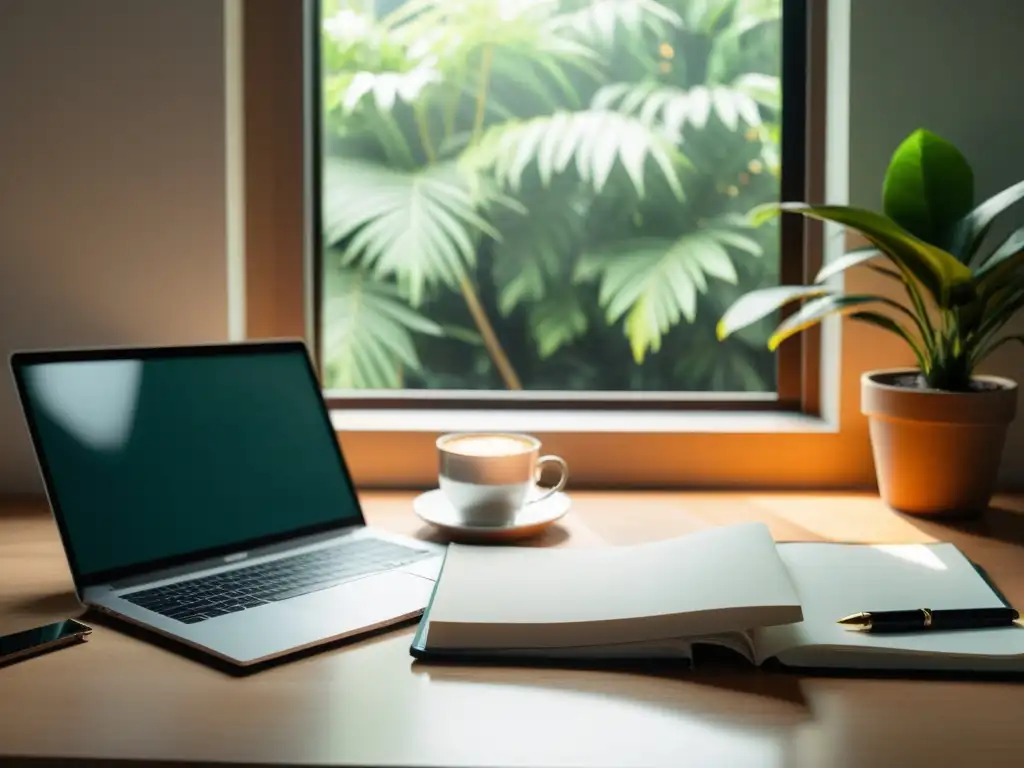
165 455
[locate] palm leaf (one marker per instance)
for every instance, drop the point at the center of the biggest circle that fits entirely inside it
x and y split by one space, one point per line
602 20
386 88
670 109
535 248
727 45
654 283
557 320
594 140
419 227
368 331
764 89
945 278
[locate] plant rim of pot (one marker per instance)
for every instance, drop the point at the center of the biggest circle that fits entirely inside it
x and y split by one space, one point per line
882 394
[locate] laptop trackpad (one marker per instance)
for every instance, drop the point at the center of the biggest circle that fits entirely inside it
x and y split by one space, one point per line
362 604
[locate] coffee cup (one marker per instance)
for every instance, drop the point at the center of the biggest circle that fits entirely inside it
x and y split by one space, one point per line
488 477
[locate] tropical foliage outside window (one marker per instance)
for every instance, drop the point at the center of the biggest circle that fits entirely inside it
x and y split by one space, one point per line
546 194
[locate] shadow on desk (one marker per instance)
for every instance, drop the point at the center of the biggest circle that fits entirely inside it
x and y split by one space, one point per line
180 649
999 523
723 696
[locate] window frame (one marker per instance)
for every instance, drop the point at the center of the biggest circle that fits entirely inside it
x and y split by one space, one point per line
280 275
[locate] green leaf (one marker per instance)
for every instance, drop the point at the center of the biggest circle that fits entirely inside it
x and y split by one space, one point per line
990 348
766 90
1009 248
420 227
945 278
928 187
994 275
654 283
535 247
848 260
669 109
970 232
887 323
817 309
556 321
601 19
387 88
596 140
756 305
368 330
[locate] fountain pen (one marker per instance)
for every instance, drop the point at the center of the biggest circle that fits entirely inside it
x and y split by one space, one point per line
922 619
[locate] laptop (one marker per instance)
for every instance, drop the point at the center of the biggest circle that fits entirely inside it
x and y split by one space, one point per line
201 493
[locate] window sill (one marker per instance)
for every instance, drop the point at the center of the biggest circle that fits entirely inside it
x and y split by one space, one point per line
574 422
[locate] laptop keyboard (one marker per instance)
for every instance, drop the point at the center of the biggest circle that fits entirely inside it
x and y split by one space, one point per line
204 598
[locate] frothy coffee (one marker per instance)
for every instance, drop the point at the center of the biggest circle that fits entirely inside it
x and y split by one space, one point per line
487 445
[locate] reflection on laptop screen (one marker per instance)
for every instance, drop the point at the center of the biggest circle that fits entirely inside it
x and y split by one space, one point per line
163 456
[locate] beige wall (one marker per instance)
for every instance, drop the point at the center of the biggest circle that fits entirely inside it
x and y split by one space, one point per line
112 215
111 182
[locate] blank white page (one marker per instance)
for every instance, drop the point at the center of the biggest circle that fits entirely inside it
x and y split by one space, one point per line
835 580
731 567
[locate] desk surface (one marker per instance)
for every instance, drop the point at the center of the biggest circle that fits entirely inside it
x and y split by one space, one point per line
119 698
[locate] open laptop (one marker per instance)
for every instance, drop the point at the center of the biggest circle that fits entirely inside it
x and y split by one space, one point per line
201 493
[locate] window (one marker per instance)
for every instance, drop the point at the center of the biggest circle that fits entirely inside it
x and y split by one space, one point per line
639 425
533 202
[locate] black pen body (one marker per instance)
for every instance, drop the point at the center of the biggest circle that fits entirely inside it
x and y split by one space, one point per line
923 619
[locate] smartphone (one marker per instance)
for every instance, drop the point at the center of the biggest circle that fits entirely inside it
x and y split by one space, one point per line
32 642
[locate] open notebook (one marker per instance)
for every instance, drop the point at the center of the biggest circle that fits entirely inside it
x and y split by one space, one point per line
731 586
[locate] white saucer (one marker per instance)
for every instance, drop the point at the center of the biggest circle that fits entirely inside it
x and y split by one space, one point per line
434 508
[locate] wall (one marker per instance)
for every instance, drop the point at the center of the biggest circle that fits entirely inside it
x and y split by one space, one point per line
112 213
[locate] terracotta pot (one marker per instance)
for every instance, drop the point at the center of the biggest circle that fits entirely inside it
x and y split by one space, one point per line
936 453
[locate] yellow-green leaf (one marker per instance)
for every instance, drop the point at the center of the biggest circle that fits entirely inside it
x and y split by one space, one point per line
942 275
756 305
816 310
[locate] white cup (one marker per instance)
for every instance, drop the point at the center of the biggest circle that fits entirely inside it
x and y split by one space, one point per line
488 477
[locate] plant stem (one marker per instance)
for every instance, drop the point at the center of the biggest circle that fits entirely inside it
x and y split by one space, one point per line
394 141
491 343
476 309
452 105
424 129
487 59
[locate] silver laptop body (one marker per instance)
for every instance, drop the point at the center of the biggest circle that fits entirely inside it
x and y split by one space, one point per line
200 492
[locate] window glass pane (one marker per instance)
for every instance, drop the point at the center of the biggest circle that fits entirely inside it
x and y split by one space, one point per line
546 194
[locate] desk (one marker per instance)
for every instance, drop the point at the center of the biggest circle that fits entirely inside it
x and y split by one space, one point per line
117 698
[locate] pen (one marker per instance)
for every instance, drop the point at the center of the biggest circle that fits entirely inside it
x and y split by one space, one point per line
927 619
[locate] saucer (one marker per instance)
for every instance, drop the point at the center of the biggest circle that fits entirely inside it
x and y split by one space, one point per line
434 508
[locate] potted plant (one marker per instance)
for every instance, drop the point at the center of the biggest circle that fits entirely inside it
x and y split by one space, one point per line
938 430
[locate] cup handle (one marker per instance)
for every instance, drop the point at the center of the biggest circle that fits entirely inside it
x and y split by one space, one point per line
563 478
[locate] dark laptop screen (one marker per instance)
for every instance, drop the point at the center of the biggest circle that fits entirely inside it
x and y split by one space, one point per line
164 456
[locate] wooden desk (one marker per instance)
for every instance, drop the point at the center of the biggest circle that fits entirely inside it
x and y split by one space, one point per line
118 698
